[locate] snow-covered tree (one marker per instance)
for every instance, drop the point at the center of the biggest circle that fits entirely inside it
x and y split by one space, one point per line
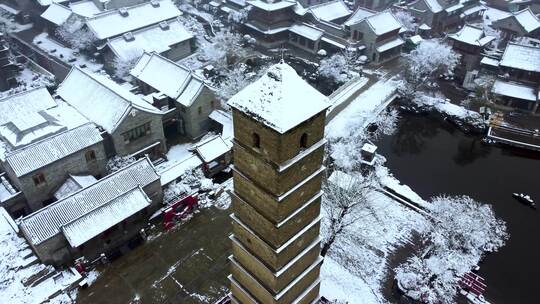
462 231
235 80
75 33
386 123
406 19
122 68
224 48
344 203
190 181
338 67
430 59
118 162
239 16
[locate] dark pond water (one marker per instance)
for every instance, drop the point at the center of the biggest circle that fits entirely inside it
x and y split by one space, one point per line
434 158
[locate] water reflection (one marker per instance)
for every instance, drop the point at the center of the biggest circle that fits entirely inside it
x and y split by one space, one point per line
433 157
469 150
411 136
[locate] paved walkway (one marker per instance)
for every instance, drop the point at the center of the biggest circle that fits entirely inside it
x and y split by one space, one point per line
185 265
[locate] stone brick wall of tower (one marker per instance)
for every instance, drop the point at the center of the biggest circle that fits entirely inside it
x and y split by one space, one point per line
274 146
267 204
265 175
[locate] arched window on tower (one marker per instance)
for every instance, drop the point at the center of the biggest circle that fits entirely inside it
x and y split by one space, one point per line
256 140
303 141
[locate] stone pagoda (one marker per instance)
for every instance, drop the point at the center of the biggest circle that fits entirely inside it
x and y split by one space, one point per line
278 152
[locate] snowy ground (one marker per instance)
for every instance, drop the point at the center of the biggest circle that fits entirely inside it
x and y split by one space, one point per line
8 19
363 110
18 264
65 54
28 79
356 265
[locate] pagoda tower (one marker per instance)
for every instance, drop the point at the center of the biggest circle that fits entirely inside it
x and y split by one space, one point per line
278 152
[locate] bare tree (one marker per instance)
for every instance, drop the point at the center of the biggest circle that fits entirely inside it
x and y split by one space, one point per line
344 203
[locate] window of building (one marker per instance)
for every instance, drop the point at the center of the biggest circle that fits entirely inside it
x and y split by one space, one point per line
310 44
90 156
199 110
136 133
39 179
256 140
213 104
303 141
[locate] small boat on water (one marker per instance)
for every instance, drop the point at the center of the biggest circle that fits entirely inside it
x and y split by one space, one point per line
524 199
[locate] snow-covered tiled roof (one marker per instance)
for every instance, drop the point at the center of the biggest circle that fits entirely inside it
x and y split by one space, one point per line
359 15
20 104
47 222
330 11
270 6
527 19
191 92
85 8
390 44
280 99
170 78
433 5
112 23
514 90
73 184
453 8
489 61
212 148
472 35
157 38
383 22
522 57
95 222
42 153
306 31
56 13
162 74
100 99
49 2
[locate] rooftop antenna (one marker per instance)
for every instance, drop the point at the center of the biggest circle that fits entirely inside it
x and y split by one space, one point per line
282 54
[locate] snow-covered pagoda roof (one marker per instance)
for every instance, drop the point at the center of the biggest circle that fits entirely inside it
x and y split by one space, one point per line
280 99
56 14
526 18
100 99
359 15
48 221
156 38
95 222
383 22
271 6
472 35
116 22
39 154
174 80
521 57
330 11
